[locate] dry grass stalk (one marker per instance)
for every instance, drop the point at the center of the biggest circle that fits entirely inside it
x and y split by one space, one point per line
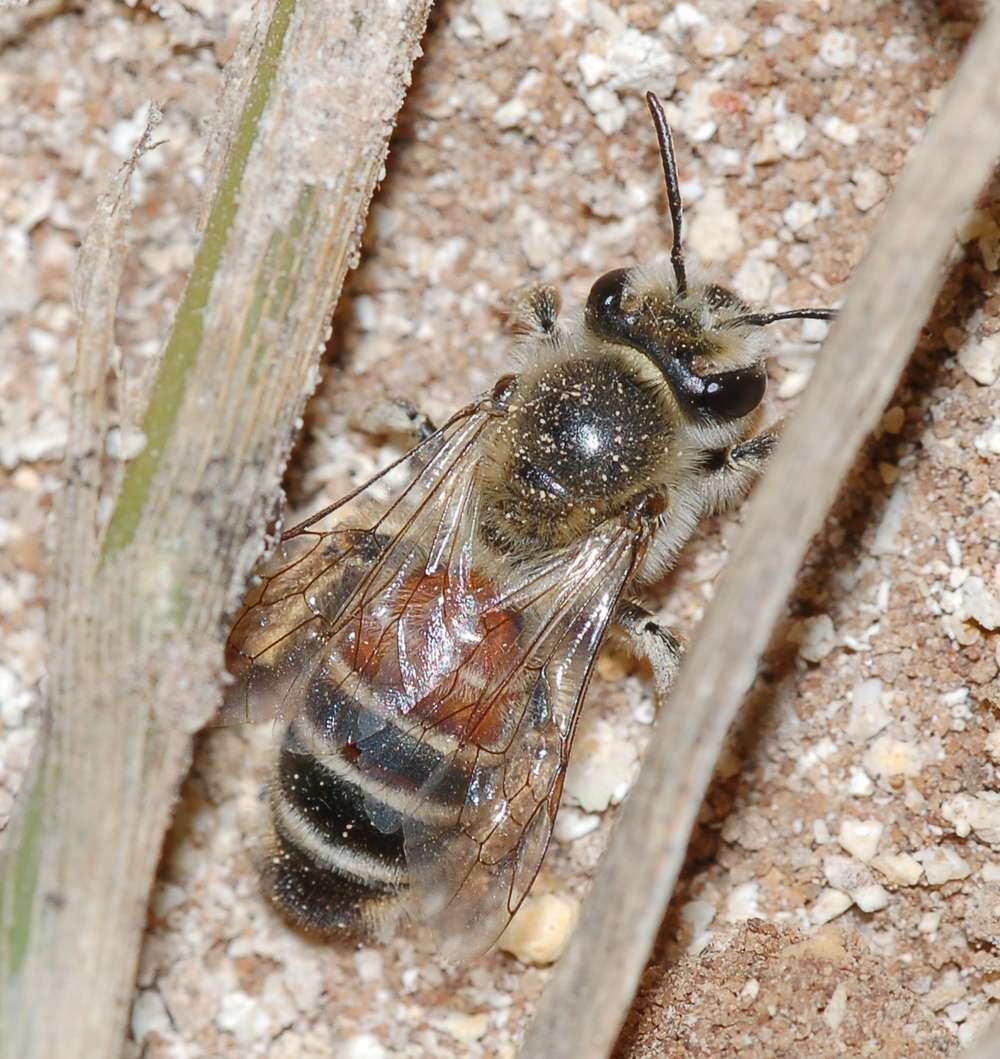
139 598
890 298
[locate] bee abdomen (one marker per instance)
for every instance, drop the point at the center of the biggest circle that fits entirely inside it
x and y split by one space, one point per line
331 870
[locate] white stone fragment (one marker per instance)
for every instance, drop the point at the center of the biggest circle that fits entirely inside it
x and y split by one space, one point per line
815 330
541 929
799 214
893 757
698 916
845 873
838 49
793 383
149 1015
887 535
899 868
511 113
571 824
868 715
368 964
714 234
993 746
602 770
754 279
870 188
829 905
462 1026
981 359
859 783
741 904
834 1013
815 636
979 604
789 134
929 922
840 131
244 1017
942 864
860 837
362 1046
871 898
492 19
716 41
979 813
750 991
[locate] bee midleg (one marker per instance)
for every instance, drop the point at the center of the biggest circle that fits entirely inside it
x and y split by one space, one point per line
728 474
535 312
647 639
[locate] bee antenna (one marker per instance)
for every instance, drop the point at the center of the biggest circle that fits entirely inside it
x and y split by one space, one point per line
763 319
673 189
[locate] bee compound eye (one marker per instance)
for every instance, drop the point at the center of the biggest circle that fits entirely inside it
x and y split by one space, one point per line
733 394
607 303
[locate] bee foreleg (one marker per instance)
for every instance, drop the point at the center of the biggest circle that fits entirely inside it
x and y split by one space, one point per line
396 416
535 311
729 473
656 643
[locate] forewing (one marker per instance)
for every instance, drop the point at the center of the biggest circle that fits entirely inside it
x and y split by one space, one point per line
469 873
325 572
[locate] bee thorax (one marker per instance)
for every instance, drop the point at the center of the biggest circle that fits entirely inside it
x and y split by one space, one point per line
580 440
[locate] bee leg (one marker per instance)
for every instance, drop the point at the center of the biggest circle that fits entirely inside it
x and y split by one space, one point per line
535 311
399 417
729 473
656 643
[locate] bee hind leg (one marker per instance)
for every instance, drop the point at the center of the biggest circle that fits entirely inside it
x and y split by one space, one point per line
645 638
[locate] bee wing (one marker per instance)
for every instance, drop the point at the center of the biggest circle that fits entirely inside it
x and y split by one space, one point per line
470 871
305 591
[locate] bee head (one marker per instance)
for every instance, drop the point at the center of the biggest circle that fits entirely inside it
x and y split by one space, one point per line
700 338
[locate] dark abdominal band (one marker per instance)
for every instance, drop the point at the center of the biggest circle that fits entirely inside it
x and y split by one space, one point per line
331 870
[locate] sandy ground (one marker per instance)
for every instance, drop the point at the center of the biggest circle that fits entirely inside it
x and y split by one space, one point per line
842 892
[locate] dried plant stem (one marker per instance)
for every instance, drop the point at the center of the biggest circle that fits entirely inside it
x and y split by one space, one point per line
135 626
889 299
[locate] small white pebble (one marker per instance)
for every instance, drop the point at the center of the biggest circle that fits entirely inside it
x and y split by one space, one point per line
461 1026
954 550
979 813
899 868
602 770
981 359
829 905
149 1015
834 1013
815 330
838 49
860 837
815 636
541 929
942 864
715 233
717 41
870 188
892 757
929 922
750 991
571 824
799 214
368 964
741 904
840 131
859 783
872 898
363 1046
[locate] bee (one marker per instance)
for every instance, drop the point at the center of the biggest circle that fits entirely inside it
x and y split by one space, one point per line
427 641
